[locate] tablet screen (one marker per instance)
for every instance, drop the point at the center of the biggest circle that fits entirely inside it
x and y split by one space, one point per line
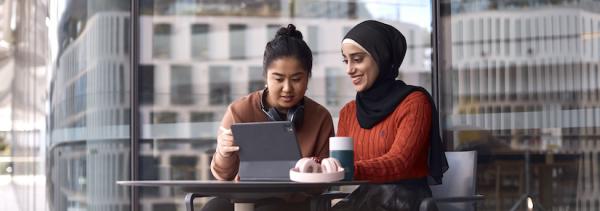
266 141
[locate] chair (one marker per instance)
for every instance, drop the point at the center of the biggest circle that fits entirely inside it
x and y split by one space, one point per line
457 191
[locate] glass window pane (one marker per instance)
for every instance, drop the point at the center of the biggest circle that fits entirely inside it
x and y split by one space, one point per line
531 111
162 41
255 79
272 30
313 39
237 41
181 85
186 96
220 86
77 104
200 41
146 84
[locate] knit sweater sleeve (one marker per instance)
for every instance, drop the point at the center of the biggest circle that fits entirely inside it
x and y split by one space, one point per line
411 140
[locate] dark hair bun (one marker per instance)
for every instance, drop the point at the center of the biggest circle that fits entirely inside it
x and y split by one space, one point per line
289 31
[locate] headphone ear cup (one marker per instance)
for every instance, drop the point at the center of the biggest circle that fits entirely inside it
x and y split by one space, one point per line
308 165
330 165
273 115
296 115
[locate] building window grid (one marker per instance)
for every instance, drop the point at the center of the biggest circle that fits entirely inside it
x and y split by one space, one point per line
545 38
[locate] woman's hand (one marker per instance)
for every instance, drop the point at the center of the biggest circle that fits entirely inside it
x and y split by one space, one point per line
225 144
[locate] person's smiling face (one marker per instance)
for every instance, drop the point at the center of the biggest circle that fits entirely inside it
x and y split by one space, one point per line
287 82
360 66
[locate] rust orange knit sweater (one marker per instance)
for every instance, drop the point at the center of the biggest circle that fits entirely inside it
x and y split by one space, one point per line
395 148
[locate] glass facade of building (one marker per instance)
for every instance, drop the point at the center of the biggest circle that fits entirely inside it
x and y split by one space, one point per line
511 78
88 147
520 83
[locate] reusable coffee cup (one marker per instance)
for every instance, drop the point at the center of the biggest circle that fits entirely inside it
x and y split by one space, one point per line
342 149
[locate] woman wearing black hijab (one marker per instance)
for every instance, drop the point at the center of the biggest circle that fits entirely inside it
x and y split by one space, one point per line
397 145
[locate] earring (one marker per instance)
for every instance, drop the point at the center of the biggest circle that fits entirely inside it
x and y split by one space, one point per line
266 86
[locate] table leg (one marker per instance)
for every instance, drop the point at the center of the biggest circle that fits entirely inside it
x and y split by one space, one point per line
243 206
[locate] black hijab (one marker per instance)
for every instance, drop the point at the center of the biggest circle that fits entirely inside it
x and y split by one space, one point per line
388 47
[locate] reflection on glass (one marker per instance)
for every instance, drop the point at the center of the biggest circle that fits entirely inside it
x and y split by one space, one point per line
200 41
162 41
333 80
272 30
220 85
88 148
214 52
528 84
146 84
181 84
255 79
237 41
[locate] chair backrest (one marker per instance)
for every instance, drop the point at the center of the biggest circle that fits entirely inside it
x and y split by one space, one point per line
459 180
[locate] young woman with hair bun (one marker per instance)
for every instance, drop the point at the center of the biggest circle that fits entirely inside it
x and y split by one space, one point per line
287 67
